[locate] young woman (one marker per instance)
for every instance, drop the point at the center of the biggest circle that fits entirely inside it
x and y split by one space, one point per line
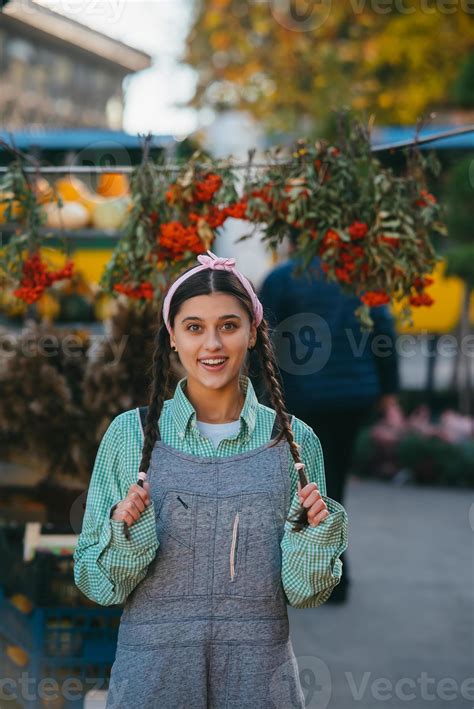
222 535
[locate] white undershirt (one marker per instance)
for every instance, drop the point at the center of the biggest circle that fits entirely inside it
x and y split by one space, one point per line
216 432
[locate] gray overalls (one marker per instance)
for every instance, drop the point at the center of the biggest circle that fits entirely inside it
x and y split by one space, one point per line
208 626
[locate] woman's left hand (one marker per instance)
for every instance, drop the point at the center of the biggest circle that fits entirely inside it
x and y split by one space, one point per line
310 497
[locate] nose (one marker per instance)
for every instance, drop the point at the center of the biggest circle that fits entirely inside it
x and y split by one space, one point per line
212 341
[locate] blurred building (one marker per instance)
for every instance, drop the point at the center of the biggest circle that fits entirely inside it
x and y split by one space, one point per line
58 73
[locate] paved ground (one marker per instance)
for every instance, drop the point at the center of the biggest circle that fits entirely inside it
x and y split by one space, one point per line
405 637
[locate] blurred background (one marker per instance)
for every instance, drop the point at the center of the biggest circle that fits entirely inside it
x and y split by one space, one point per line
81 83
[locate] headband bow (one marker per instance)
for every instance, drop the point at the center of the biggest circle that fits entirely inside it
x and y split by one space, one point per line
214 263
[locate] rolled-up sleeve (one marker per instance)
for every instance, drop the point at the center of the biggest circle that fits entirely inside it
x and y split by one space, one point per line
311 566
107 565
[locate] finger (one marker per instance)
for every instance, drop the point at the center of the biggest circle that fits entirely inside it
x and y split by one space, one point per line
315 509
122 515
138 490
320 517
307 490
313 497
119 512
137 501
135 506
133 510
128 519
147 492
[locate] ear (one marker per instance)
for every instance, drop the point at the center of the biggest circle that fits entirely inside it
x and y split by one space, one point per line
172 340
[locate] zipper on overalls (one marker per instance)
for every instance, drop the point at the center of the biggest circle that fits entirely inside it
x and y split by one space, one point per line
182 502
233 546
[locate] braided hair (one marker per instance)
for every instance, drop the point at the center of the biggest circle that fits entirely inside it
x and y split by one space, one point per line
206 282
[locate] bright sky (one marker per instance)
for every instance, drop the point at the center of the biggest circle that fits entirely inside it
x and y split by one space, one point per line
159 27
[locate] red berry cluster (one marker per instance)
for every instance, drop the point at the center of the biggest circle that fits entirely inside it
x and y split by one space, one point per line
36 278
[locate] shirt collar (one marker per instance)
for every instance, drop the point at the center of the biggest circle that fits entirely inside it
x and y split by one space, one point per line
184 414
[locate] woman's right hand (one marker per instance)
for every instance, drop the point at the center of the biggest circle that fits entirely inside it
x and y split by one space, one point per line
130 509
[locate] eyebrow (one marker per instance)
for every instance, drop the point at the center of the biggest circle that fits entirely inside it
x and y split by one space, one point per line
221 317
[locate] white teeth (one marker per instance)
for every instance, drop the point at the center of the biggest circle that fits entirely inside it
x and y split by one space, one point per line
212 361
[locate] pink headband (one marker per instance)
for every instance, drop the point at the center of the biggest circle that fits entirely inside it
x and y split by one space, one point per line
214 262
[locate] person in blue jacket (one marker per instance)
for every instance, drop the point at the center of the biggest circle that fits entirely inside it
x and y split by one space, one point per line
336 377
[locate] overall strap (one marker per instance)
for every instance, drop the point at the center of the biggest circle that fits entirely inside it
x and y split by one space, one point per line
143 411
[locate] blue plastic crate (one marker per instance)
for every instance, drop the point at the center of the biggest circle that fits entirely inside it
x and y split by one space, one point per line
47 580
72 647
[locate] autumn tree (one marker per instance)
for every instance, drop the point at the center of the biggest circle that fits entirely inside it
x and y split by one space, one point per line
291 62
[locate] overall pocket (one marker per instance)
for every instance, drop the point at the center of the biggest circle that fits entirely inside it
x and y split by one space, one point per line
170 573
259 554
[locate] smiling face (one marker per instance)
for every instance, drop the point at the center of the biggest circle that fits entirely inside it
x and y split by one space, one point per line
212 327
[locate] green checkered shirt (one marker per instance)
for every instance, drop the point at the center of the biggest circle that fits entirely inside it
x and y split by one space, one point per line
108 566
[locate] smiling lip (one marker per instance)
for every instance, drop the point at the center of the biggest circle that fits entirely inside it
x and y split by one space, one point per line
215 368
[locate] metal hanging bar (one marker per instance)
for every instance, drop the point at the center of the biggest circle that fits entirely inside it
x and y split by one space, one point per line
127 169
426 139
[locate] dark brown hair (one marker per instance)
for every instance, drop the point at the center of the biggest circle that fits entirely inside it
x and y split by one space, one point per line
206 282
